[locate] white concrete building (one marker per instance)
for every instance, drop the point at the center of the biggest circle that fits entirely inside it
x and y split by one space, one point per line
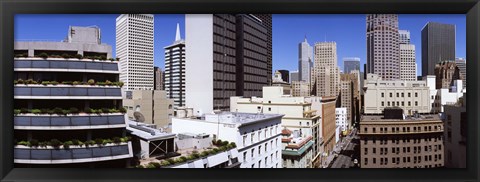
411 96
297 151
175 70
408 68
441 97
302 114
341 118
134 44
257 136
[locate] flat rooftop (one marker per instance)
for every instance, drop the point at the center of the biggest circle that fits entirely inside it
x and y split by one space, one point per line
379 118
147 133
239 117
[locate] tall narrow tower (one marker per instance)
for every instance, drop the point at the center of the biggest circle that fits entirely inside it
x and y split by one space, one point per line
134 44
305 57
175 70
383 49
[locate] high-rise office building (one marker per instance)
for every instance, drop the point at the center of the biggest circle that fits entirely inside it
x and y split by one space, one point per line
351 63
134 44
175 70
408 67
305 57
438 44
285 75
267 21
404 36
294 76
462 65
226 55
383 50
327 73
158 78
67 96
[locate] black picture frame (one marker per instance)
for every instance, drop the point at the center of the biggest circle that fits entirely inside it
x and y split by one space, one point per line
8 8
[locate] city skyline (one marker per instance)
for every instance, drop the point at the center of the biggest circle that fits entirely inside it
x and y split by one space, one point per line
285 46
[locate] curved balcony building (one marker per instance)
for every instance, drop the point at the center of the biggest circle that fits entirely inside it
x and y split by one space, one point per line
68 104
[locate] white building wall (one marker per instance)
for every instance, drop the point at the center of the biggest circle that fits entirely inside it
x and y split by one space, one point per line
199 62
341 118
248 138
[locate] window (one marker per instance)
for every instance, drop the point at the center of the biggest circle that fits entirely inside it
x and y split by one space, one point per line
374 130
398 94
245 156
269 109
259 150
416 94
383 104
391 94
366 151
253 153
374 150
409 95
366 161
383 94
402 94
416 103
388 103
409 104
374 160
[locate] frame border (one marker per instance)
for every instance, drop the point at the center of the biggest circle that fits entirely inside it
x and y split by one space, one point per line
8 8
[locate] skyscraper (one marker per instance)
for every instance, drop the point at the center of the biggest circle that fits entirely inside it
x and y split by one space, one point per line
383 50
327 73
134 44
438 44
404 36
267 21
304 60
175 70
158 78
351 63
226 55
408 68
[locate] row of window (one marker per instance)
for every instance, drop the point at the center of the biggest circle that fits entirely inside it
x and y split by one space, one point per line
396 160
396 150
404 129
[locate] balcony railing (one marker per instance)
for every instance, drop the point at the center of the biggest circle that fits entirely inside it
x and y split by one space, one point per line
67 91
27 155
64 64
69 120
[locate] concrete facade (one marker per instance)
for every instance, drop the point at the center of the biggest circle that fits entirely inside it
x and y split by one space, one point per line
401 143
455 134
327 73
300 89
408 67
153 104
134 44
257 136
383 50
341 118
411 96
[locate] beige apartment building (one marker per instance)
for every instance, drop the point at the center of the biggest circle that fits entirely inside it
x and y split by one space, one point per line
411 96
413 142
455 134
327 73
300 89
301 114
153 104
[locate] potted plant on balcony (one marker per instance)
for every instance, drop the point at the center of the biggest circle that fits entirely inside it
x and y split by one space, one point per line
43 55
55 143
91 82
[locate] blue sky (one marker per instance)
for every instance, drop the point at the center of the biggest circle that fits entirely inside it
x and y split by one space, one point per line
348 31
